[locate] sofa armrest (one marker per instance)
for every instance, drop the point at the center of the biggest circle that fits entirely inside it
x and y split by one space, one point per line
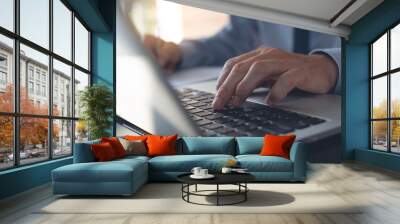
298 157
83 152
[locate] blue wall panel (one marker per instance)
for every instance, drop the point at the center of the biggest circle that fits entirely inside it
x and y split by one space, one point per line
356 70
24 178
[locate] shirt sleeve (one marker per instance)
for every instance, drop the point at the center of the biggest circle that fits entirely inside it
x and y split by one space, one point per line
238 36
336 56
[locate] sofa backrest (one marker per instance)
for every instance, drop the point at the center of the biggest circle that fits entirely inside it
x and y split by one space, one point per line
249 145
83 152
206 145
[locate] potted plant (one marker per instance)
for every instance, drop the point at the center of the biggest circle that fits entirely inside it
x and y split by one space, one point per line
96 103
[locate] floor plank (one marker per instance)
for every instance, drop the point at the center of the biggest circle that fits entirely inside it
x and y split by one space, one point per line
376 189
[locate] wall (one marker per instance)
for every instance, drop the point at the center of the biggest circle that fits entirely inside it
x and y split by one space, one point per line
356 82
99 16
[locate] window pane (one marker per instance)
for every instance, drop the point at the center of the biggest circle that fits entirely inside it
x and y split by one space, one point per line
395 47
379 97
395 135
379 135
395 94
7 14
81 45
6 142
33 139
35 21
6 74
62 29
62 138
81 81
379 56
34 97
62 89
81 131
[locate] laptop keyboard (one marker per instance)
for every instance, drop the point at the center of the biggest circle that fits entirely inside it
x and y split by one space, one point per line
252 119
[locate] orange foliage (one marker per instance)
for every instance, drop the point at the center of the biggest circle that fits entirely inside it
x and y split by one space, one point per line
33 130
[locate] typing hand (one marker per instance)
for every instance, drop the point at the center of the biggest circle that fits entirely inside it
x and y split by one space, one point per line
241 75
167 54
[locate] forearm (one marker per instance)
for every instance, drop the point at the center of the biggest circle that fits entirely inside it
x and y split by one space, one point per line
335 55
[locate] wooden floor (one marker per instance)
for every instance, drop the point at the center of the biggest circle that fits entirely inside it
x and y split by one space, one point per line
377 188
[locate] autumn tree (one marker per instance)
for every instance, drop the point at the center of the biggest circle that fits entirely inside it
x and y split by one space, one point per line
33 131
380 127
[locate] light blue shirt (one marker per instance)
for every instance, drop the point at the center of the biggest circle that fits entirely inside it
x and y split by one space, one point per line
242 35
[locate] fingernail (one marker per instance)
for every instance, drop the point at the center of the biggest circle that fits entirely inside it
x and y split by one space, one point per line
216 103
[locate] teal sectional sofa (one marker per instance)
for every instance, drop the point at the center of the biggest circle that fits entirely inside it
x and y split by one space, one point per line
125 176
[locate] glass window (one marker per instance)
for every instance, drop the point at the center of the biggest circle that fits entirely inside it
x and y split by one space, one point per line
34 79
395 136
62 72
62 29
6 142
62 137
35 21
81 45
3 61
40 61
6 73
388 81
30 87
7 14
81 131
81 82
30 72
395 47
379 98
379 135
379 56
33 140
395 95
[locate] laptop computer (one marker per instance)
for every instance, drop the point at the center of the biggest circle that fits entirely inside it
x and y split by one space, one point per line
146 98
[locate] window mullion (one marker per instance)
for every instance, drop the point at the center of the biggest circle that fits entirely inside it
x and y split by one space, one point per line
16 84
389 112
50 81
73 82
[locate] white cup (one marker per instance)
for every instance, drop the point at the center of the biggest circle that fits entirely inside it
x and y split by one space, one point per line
226 170
196 171
203 172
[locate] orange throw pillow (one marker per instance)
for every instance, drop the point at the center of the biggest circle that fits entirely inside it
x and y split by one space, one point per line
161 145
103 152
116 145
277 145
136 137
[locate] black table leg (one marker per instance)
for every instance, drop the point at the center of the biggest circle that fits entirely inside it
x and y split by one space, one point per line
195 188
217 194
245 193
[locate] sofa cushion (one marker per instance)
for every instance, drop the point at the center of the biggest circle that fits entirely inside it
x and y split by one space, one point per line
249 145
103 152
116 145
275 145
161 145
185 163
207 145
112 171
134 147
257 163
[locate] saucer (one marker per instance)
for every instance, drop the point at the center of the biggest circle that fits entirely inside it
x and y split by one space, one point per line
208 176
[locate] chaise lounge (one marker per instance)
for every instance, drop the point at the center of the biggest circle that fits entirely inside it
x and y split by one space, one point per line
125 176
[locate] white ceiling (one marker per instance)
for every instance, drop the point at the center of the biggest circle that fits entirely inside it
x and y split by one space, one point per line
315 15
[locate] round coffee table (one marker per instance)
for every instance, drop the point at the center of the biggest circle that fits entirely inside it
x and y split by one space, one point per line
238 179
